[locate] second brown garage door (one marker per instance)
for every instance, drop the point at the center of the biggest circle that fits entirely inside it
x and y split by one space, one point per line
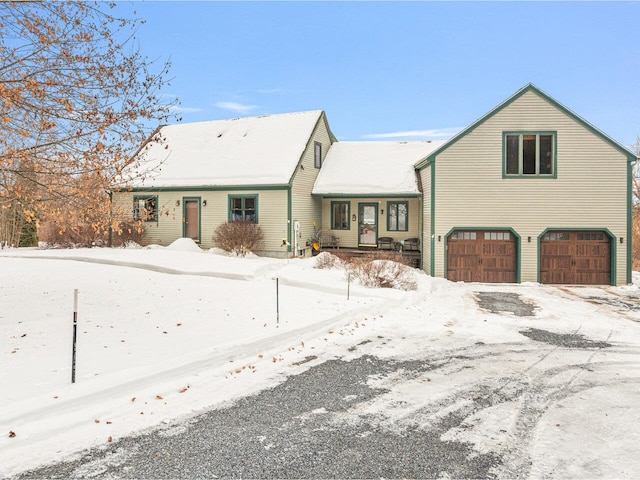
481 256
581 258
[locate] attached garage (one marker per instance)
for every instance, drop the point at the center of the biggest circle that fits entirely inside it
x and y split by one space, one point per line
482 256
575 257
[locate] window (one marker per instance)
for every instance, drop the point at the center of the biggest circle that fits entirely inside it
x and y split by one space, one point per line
529 154
243 208
317 154
462 236
591 236
497 236
145 208
397 216
554 236
340 215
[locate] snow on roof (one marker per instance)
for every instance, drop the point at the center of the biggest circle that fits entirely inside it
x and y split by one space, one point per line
261 150
372 167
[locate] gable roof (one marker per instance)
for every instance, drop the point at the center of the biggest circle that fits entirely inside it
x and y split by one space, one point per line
372 168
530 87
263 150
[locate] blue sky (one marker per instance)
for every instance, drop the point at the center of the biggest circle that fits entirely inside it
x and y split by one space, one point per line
396 70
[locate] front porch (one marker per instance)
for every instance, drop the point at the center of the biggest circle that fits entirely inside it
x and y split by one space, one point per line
412 257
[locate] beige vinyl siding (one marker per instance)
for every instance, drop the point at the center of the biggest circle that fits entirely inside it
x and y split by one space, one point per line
349 238
272 215
304 208
425 179
589 192
166 228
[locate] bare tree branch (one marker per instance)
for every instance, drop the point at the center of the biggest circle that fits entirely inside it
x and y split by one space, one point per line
77 99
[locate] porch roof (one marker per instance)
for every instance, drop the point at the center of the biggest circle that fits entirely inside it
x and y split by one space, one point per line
372 168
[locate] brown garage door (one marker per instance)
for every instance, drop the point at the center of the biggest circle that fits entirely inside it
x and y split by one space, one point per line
481 256
582 258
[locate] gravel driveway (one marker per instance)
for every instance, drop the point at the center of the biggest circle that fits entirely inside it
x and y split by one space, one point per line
478 411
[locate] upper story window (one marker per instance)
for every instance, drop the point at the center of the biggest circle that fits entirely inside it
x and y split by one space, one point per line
145 208
317 154
397 216
529 154
243 208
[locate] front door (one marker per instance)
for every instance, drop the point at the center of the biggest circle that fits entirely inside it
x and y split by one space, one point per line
191 216
368 224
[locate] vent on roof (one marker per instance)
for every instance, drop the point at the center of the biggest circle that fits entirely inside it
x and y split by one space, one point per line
219 135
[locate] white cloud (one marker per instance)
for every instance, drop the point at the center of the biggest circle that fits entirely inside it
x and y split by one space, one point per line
179 109
236 107
437 133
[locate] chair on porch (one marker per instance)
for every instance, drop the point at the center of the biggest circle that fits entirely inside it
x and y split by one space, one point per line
385 243
411 244
328 240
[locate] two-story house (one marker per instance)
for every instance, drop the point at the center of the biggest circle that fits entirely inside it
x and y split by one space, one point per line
529 192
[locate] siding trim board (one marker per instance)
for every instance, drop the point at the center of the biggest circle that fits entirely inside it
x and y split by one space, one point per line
432 239
370 195
208 188
630 165
289 220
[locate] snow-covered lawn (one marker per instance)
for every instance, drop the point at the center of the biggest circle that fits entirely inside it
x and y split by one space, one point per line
166 332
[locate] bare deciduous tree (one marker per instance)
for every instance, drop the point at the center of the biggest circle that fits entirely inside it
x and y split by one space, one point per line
77 98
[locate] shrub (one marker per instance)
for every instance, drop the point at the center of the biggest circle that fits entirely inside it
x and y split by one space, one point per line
126 232
238 237
326 260
385 270
67 234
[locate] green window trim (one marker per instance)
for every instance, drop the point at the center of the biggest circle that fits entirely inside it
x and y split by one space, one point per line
317 154
243 208
340 215
397 216
148 203
524 152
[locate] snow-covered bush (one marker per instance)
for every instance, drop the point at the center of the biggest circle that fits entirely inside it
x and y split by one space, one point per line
385 270
326 260
238 238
